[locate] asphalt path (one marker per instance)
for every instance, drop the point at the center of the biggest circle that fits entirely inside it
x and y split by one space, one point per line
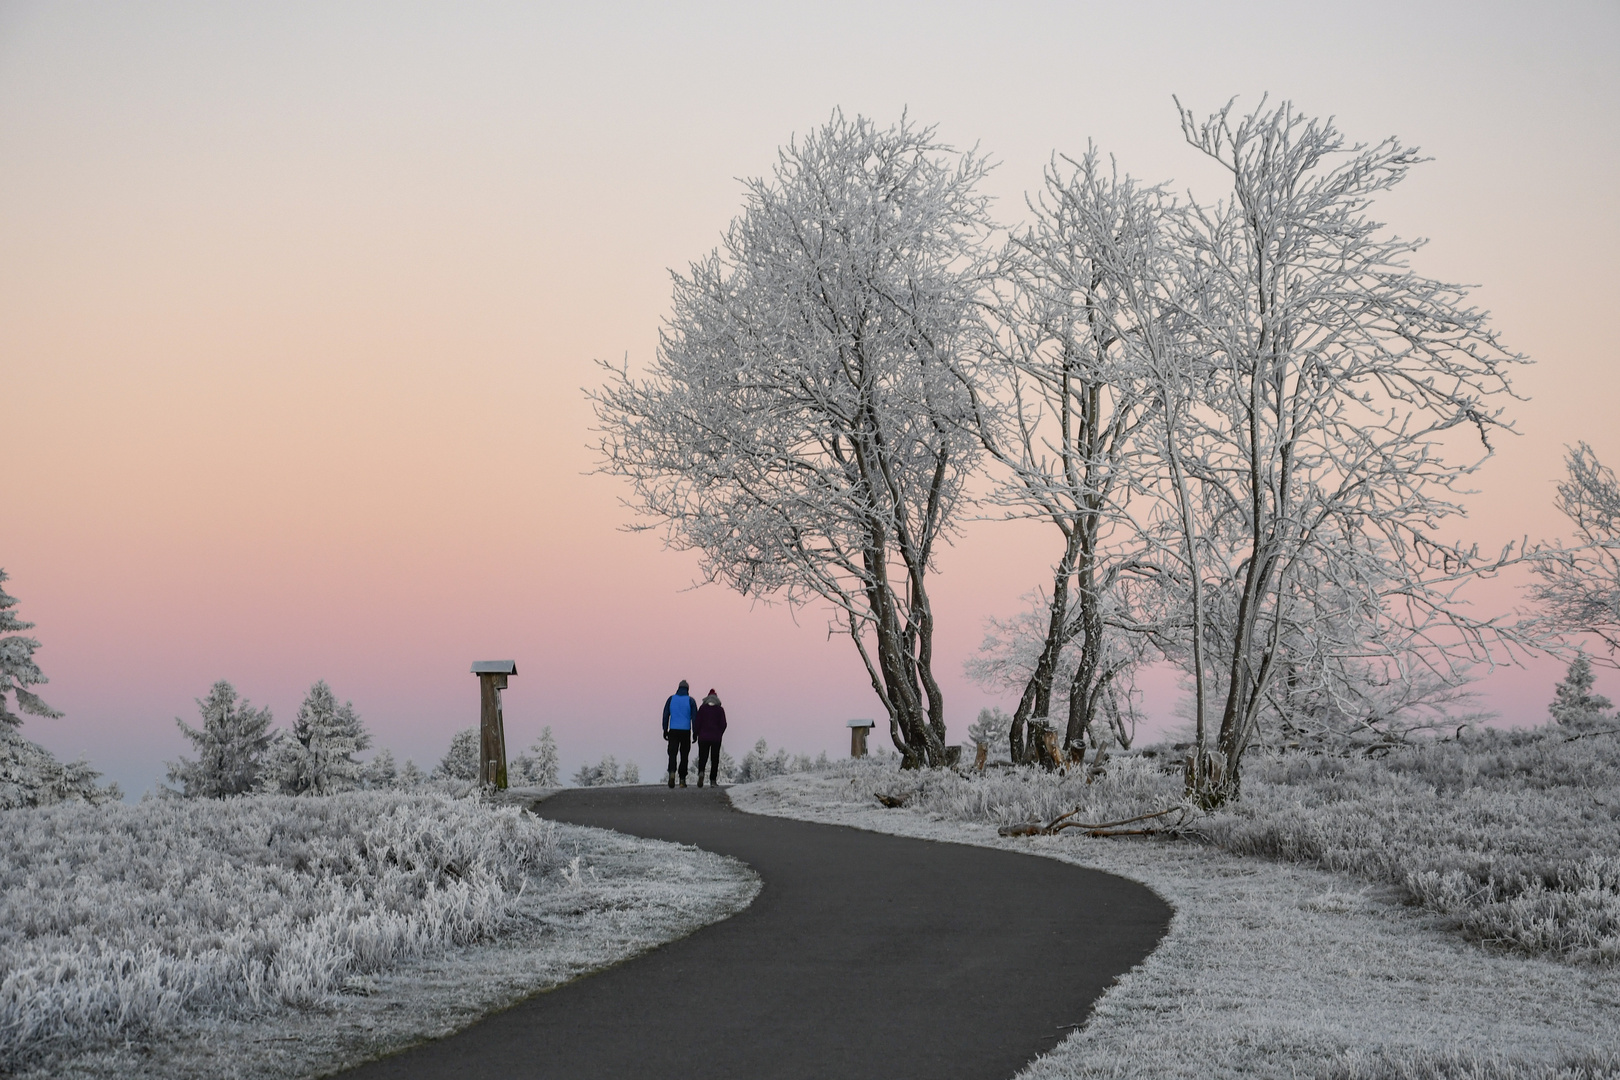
865 955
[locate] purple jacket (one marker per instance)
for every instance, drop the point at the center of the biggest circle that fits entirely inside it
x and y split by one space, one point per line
711 720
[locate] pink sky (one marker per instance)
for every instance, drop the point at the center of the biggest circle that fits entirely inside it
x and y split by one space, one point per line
296 302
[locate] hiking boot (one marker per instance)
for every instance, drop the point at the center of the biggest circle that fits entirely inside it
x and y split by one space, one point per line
671 779
683 781
700 781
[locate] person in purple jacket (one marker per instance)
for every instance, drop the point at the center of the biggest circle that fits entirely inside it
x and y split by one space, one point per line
679 712
707 729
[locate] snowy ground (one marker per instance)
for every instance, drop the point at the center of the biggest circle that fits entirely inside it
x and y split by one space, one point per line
1278 970
612 898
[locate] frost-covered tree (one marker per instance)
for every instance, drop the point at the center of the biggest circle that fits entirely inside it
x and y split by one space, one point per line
990 729
806 425
1063 355
17 668
230 746
1314 394
760 764
29 774
327 736
380 771
1573 701
1579 588
460 762
411 776
540 765
607 773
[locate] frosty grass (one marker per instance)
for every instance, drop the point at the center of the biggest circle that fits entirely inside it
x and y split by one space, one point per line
1270 969
160 939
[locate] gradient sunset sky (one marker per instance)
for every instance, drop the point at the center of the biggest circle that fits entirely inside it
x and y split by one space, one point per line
297 301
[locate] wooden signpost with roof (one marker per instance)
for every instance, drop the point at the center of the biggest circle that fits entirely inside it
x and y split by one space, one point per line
492 675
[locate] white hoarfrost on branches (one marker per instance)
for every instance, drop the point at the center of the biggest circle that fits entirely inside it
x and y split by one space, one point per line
230 746
1579 590
1311 388
1071 395
807 426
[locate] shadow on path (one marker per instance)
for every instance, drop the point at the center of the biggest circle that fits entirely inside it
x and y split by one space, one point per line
865 955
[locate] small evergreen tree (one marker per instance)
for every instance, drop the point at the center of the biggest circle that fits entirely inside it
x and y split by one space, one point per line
327 736
991 729
17 668
461 762
540 765
1573 701
380 771
230 746
411 776
607 773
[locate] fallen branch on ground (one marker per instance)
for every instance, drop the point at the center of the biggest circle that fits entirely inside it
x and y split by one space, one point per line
893 802
1105 828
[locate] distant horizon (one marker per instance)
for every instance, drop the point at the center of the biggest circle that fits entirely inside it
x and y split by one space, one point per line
297 306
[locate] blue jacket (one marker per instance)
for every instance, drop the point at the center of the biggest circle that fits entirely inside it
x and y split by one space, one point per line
678 712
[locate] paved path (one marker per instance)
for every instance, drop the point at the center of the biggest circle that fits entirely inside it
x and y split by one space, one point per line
864 955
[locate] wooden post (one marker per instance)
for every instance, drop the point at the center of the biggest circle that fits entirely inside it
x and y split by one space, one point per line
857 737
979 757
492 676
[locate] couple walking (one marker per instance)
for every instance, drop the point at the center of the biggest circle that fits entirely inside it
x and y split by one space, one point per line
684 720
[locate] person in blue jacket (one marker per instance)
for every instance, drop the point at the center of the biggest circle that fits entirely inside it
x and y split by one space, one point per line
679 712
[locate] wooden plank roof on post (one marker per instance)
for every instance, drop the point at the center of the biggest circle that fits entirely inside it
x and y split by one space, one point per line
492 676
857 737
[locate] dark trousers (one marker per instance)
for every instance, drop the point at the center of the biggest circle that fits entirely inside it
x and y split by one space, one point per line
680 746
709 754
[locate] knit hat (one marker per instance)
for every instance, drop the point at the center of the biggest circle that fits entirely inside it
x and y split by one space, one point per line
681 687
711 691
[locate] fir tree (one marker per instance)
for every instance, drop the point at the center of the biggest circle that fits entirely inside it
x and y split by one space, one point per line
17 668
540 765
461 762
327 736
230 746
1573 701
411 776
380 771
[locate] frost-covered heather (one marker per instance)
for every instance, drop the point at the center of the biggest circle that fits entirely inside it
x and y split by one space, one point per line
119 920
1515 836
616 896
1005 796
1282 971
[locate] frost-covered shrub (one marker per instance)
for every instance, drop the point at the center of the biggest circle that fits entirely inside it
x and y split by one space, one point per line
607 773
460 762
1128 786
760 764
118 919
230 746
540 765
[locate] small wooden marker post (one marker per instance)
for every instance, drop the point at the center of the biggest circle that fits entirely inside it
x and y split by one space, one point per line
492 676
857 737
